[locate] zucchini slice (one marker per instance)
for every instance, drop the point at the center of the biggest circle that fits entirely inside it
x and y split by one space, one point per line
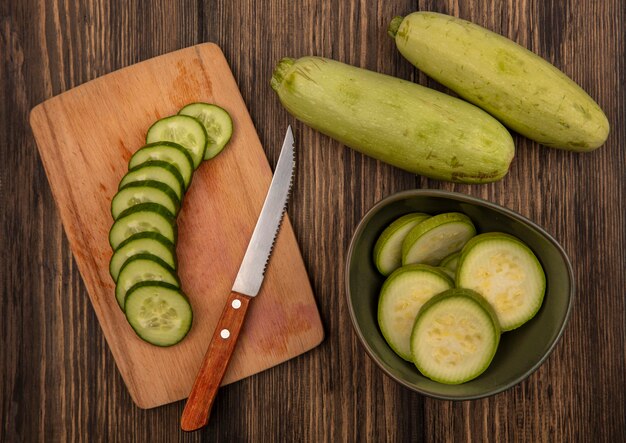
455 337
447 271
139 268
388 248
436 238
156 170
184 130
507 273
148 191
146 217
144 242
169 152
451 262
216 122
159 313
401 297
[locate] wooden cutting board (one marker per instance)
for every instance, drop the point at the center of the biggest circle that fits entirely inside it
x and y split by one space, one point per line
86 137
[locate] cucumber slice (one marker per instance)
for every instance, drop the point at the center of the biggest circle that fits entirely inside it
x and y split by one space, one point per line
139 268
455 337
507 273
159 313
146 217
148 191
184 130
437 237
144 242
169 152
401 297
216 122
388 248
156 170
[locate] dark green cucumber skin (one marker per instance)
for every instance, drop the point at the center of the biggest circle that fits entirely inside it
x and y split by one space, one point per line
152 236
154 184
206 137
161 164
398 122
173 145
209 138
167 286
152 258
149 207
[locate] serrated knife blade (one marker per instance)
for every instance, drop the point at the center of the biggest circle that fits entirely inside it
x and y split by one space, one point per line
247 285
252 268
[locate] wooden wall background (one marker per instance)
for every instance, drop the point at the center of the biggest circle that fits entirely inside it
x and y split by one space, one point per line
57 377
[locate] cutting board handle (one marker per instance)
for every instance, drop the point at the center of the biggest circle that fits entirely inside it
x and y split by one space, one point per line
200 401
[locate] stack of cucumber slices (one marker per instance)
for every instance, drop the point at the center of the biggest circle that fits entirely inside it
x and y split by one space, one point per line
144 233
449 292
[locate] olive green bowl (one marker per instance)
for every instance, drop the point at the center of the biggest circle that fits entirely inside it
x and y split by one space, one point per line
520 352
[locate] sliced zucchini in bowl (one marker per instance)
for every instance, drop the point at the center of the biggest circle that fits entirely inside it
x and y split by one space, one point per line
388 247
451 261
436 238
403 294
506 273
455 337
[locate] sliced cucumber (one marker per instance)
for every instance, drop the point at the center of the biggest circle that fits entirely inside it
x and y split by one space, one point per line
169 152
139 268
455 337
144 242
507 273
216 122
401 297
388 248
148 191
451 261
437 237
146 217
184 130
158 312
156 170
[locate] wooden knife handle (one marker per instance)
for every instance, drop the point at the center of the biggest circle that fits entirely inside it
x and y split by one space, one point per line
198 407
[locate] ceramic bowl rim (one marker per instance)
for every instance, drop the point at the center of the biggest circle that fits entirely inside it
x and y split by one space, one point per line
475 201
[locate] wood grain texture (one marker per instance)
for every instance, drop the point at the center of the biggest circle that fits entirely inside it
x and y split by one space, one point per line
333 393
85 139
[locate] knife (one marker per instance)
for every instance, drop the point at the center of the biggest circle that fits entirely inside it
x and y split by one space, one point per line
246 286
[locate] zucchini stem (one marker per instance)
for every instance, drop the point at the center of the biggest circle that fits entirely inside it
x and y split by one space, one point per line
394 25
279 72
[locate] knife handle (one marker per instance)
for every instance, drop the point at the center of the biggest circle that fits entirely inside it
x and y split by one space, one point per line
198 406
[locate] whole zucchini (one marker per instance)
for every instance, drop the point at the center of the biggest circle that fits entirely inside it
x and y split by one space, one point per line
399 122
521 89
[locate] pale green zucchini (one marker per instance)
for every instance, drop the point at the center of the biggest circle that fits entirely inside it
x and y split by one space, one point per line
399 122
521 89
